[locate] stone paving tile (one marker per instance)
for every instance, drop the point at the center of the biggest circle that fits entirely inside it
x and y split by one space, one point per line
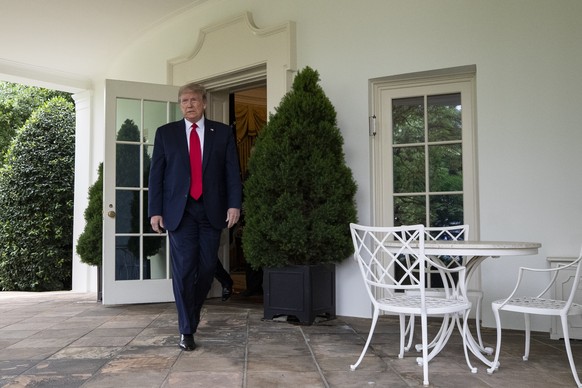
130 321
35 343
209 364
114 332
27 353
358 379
92 352
5 333
165 321
33 326
61 381
282 364
155 340
15 367
151 351
136 364
57 367
216 349
276 350
60 333
341 363
134 379
102 341
269 379
69 340
4 343
205 379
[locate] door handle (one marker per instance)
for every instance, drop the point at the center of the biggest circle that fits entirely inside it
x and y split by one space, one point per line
111 213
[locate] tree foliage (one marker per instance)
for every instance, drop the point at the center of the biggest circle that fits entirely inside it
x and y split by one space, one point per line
300 194
17 102
90 243
36 201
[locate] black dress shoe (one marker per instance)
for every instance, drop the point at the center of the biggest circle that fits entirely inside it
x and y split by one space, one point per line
226 293
187 342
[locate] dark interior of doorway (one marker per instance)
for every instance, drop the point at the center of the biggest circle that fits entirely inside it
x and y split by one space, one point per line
247 116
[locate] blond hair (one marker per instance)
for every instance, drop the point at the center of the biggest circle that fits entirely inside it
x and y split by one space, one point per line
193 87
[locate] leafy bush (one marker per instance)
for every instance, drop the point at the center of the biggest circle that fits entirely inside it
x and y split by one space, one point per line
300 194
17 102
90 243
36 202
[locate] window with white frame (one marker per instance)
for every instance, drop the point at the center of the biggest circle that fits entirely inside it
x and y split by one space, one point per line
424 149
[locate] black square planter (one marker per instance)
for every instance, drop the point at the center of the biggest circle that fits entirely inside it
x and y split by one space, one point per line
302 291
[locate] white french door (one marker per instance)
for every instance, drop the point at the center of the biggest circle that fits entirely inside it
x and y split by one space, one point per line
136 266
136 260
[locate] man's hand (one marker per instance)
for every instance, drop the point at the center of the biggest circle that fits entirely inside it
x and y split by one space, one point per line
157 223
232 216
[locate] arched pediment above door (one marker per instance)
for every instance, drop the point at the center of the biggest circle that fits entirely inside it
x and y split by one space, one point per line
236 50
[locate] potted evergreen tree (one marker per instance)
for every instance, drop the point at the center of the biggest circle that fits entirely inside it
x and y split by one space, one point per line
299 201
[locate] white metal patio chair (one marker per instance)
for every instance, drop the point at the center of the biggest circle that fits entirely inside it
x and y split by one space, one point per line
389 271
540 306
449 233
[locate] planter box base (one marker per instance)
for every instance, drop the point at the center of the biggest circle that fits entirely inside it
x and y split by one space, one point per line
304 292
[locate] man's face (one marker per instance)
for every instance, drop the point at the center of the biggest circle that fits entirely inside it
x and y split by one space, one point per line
192 106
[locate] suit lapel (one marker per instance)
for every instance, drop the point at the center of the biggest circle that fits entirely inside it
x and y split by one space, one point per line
182 142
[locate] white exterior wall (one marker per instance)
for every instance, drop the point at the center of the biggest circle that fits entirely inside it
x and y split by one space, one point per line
528 56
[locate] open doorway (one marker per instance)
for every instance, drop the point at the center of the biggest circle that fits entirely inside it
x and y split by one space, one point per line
248 115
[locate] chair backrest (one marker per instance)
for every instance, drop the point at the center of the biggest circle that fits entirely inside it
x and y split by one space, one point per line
450 233
390 259
458 232
576 280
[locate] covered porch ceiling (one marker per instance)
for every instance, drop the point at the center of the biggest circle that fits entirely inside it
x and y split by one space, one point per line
68 42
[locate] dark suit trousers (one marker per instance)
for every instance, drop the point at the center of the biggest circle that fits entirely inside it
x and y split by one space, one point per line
193 249
222 276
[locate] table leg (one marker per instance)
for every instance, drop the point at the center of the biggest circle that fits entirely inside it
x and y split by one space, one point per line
449 324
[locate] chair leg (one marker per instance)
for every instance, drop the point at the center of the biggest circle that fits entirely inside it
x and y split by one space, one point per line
564 320
410 333
478 320
464 333
495 364
424 329
527 337
446 325
372 327
403 330
443 335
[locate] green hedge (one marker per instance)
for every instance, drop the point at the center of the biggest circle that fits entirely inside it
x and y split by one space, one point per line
36 202
17 102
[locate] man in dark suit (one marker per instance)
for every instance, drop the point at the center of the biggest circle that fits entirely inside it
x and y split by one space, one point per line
194 192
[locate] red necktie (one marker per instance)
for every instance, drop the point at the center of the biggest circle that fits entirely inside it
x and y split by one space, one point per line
195 164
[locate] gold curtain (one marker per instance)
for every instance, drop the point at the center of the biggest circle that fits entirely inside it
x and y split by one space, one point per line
250 119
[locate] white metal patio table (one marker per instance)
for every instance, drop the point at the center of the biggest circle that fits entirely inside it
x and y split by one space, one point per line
475 252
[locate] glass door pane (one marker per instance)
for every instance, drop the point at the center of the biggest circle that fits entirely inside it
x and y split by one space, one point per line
427 160
137 247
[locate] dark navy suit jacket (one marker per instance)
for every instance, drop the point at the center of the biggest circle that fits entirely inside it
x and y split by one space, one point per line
169 180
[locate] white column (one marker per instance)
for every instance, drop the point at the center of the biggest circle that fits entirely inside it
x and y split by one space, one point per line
84 276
